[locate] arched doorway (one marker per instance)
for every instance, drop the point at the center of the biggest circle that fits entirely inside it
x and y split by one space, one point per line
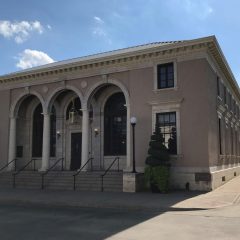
37 132
109 126
115 115
68 127
27 111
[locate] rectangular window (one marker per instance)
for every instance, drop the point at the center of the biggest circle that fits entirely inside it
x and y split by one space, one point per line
218 87
225 95
167 123
165 75
230 101
231 133
220 136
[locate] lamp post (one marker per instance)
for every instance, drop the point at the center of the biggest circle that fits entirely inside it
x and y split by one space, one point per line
133 121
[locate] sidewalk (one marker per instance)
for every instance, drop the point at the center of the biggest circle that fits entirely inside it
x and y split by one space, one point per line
226 195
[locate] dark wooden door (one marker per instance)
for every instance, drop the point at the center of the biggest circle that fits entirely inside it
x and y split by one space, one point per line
76 150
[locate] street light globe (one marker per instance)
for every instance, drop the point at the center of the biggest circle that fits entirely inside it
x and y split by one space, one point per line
133 120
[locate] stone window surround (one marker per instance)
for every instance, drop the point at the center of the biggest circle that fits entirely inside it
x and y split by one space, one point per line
168 107
155 77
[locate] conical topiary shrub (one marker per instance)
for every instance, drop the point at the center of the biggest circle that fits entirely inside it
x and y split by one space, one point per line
157 169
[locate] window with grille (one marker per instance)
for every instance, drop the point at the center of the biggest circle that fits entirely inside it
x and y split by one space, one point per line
167 123
165 75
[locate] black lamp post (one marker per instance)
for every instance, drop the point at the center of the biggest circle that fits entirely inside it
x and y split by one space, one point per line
133 121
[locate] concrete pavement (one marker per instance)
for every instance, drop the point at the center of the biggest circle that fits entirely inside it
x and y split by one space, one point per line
228 194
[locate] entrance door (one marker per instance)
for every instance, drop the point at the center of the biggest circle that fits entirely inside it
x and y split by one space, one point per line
76 150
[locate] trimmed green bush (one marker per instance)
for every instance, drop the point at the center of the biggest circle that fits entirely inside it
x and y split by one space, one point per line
157 169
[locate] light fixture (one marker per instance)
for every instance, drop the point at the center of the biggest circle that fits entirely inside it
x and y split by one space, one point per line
72 112
133 120
96 131
58 134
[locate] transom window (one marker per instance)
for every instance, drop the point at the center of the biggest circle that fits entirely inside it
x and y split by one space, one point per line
165 75
167 124
115 114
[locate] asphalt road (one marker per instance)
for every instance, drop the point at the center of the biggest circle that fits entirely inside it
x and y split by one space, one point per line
38 222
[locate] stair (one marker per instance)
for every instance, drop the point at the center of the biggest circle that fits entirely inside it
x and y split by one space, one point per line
63 180
6 179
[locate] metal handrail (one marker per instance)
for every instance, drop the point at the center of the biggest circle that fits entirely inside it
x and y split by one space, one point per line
49 169
102 176
79 170
21 169
6 165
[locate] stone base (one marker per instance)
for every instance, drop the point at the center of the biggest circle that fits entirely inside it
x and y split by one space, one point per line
133 182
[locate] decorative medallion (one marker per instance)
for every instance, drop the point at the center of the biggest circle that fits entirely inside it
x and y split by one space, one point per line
83 84
45 89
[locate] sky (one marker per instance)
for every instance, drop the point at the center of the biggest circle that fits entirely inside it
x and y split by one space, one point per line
36 32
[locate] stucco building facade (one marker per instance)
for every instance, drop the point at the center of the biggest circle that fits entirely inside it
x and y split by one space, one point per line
81 108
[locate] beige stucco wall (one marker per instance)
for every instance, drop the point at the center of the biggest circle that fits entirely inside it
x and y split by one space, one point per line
4 125
194 94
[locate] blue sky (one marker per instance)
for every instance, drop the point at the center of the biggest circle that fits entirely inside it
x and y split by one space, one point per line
34 32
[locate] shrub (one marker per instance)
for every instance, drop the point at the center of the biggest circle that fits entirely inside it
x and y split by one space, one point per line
157 169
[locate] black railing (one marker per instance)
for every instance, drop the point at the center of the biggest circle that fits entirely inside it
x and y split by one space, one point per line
6 165
79 170
48 170
21 169
34 164
102 176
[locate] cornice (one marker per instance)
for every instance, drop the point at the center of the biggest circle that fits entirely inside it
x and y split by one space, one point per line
104 62
120 62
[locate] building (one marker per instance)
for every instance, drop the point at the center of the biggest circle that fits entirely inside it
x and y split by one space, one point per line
81 108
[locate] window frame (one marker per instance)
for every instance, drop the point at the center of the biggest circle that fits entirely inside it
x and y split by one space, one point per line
174 62
165 108
165 125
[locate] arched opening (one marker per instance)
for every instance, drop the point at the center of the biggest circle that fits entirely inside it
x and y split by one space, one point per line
37 132
68 127
29 130
115 115
108 128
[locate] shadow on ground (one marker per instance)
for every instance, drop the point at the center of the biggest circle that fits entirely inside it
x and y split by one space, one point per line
31 214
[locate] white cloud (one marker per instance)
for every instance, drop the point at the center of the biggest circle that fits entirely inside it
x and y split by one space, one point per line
100 30
32 58
20 31
98 20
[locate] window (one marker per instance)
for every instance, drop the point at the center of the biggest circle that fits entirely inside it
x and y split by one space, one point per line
53 133
218 87
74 106
230 101
165 75
167 123
220 135
115 115
225 95
37 132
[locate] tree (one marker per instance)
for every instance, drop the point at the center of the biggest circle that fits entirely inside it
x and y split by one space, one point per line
157 169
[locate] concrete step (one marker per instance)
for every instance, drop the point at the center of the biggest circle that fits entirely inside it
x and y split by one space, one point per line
63 180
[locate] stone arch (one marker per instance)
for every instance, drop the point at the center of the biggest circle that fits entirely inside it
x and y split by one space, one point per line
17 103
86 104
96 86
55 93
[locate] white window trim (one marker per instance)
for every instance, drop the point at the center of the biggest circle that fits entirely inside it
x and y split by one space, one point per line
171 107
155 85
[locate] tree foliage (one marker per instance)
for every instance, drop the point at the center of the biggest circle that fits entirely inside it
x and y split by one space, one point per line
157 170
